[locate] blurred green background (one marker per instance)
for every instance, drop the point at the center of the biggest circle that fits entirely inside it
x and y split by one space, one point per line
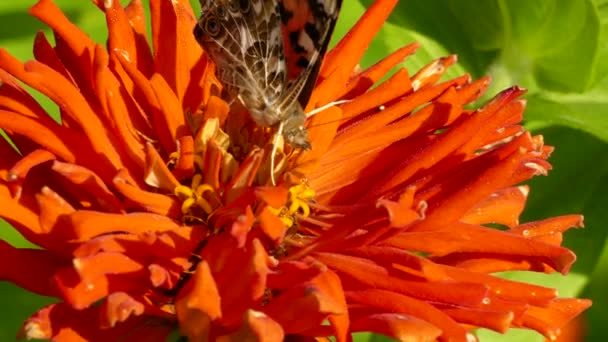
557 49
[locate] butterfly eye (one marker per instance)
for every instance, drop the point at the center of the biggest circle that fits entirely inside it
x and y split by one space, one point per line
212 26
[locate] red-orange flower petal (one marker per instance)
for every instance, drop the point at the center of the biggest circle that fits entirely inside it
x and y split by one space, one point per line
152 205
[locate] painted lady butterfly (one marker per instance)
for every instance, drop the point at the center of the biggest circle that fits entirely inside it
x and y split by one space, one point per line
268 54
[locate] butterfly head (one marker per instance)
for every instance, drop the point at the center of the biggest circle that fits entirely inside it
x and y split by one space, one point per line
295 132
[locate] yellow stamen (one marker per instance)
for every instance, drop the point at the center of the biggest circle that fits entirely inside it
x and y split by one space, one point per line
183 192
305 209
297 203
196 180
203 204
187 204
275 211
199 195
201 189
299 196
287 221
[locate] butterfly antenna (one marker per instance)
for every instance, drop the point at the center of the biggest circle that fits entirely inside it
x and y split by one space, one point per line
322 108
345 118
273 153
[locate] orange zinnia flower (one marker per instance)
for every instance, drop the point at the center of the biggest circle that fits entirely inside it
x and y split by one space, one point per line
153 210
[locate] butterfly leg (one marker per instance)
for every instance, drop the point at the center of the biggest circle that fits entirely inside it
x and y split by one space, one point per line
273 153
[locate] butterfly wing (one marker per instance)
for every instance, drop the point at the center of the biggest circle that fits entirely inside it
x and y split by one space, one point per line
245 41
307 26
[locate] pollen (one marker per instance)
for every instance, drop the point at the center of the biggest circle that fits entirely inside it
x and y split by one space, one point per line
299 196
198 198
297 204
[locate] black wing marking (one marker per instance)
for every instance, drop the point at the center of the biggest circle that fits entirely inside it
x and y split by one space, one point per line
306 42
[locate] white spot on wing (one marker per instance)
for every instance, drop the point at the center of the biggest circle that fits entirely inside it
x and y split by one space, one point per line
305 42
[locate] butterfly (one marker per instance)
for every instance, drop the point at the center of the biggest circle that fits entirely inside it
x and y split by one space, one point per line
268 54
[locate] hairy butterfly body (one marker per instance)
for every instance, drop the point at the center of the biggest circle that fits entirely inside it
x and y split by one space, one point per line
268 54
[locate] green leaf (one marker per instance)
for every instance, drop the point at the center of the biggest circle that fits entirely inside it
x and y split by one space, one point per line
392 37
486 32
602 60
596 315
567 63
587 112
436 20
577 184
513 335
554 41
18 305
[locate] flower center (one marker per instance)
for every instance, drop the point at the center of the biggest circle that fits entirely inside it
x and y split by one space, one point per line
297 204
223 177
199 201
